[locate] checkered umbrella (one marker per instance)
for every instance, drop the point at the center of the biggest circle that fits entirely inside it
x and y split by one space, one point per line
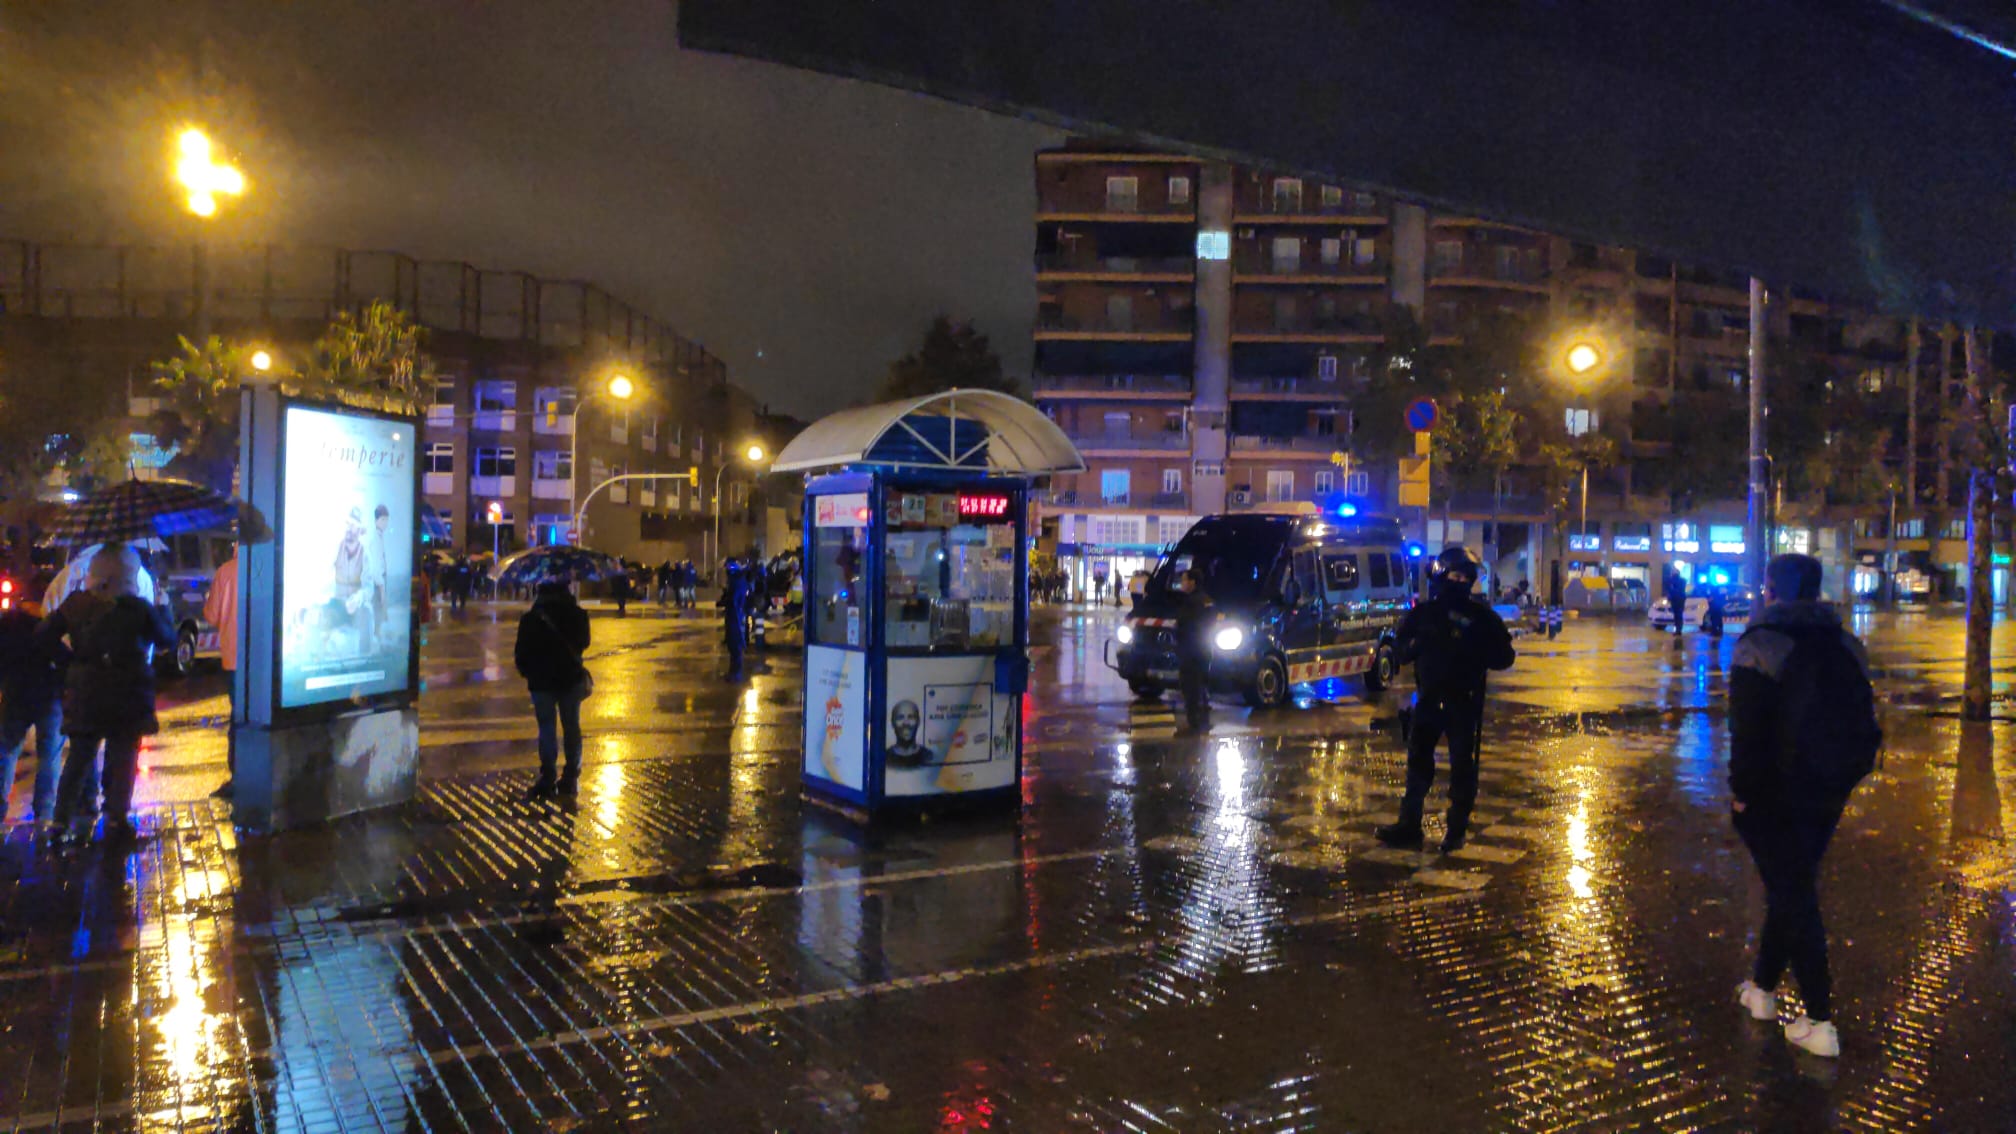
433 525
143 509
559 564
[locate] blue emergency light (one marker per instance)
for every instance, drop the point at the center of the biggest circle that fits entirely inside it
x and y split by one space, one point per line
1415 550
1347 510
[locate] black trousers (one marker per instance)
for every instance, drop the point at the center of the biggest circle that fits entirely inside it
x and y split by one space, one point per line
1456 716
1194 679
1787 846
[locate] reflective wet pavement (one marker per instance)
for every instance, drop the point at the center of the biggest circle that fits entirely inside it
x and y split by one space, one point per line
1179 934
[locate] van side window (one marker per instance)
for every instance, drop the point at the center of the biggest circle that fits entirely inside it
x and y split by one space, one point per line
1399 570
1340 575
1307 576
1378 571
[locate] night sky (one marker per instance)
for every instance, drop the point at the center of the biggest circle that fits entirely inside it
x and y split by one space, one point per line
804 228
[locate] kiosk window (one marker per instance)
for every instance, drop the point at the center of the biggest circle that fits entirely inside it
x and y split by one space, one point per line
1340 575
840 616
1379 571
948 575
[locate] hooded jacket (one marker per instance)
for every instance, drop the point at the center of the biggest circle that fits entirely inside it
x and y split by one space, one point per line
552 636
109 690
1756 671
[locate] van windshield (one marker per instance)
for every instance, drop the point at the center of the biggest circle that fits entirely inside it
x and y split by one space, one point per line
1233 559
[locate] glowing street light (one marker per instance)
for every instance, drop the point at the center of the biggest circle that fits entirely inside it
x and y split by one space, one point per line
203 177
262 361
755 455
1584 357
620 387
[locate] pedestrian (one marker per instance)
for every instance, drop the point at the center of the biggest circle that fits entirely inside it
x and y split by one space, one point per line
1194 616
108 693
1675 586
1711 619
220 609
1452 639
662 578
552 636
1802 734
31 699
734 605
619 589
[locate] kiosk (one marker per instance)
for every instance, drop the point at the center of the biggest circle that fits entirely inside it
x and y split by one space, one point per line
916 573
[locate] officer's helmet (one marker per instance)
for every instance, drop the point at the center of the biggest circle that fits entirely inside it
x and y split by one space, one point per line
1457 559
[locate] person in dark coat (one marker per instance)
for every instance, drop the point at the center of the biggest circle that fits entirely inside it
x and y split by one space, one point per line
31 700
108 693
734 603
552 636
1194 618
1452 639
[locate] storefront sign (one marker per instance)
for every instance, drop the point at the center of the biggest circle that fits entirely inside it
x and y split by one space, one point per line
983 505
1631 543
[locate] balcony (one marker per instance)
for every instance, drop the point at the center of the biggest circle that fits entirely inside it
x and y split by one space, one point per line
550 488
1063 267
440 414
1339 328
491 487
1115 387
437 483
1090 205
1175 500
559 425
1287 389
1093 444
1298 446
1151 327
496 420
1258 269
1487 271
1052 498
1260 205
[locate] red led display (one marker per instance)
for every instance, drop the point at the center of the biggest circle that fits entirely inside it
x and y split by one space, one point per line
985 506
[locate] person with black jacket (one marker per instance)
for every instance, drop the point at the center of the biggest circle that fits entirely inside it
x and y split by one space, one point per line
31 699
1193 651
734 604
1796 678
108 693
552 636
1452 639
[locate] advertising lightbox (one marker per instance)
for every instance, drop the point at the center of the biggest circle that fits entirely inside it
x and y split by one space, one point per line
346 537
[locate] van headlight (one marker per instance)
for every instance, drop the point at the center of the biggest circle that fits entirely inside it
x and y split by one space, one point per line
1229 638
1125 634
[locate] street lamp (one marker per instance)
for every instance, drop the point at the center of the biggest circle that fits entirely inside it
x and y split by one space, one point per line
203 179
262 361
1583 357
755 456
619 387
496 512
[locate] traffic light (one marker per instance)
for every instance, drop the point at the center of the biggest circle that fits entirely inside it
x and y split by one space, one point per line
693 474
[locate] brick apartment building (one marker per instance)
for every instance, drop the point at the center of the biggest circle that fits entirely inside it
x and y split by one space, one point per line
1202 326
513 351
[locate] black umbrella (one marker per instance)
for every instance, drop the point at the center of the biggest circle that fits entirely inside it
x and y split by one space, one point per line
561 564
143 509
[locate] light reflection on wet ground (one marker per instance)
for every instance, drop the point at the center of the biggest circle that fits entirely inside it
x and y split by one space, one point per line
1179 934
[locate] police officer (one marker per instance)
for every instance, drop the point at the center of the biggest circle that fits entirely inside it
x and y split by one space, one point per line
1452 639
1193 650
735 614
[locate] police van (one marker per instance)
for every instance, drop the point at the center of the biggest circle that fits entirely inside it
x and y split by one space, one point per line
1301 596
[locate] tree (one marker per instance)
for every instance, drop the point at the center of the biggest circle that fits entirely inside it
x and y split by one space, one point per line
57 413
952 356
374 359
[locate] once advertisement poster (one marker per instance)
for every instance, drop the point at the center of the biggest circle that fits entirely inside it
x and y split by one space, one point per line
947 729
346 549
836 749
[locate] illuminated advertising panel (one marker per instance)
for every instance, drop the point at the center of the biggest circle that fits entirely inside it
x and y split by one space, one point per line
346 537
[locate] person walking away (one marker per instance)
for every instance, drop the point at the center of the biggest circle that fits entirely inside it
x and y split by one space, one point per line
1802 734
1453 640
552 636
1711 618
108 694
1675 587
1194 617
734 615
220 609
31 699
619 589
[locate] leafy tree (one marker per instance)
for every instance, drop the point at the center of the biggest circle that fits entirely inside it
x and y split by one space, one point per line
376 359
951 356
57 413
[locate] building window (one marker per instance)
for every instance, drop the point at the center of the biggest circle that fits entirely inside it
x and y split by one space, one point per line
1113 486
550 529
1911 529
672 441
552 464
444 391
1288 195
1280 485
496 396
1172 423
1581 421
1285 313
1324 422
1172 481
651 433
441 457
1364 251
1324 482
1326 368
1112 531
1179 190
1171 529
553 404
1118 425
1364 202
1507 262
1286 253
619 427
1448 256
1333 251
1358 484
500 461
1332 196
1123 194
1119 312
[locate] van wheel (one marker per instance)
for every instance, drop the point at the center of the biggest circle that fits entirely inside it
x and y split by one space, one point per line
1381 674
1146 690
1270 685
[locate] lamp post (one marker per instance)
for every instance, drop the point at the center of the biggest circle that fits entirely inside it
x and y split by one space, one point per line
203 180
619 387
755 455
496 513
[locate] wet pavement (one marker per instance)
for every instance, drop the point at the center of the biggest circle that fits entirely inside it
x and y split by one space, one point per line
1179 933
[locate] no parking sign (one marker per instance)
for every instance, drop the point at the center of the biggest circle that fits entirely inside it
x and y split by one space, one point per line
1421 414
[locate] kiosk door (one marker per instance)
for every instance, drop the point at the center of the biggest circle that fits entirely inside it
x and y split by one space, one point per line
839 607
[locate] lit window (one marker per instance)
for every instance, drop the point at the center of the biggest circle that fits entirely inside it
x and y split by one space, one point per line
1332 196
1123 194
1581 421
1179 190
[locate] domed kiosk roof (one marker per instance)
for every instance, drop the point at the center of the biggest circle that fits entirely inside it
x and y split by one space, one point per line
952 431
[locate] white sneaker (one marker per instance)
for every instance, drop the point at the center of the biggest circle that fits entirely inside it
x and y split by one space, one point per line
1761 1004
1816 1037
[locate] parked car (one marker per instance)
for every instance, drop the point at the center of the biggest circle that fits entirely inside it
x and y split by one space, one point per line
1735 606
182 570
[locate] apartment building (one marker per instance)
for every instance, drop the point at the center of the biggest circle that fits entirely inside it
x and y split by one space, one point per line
1201 328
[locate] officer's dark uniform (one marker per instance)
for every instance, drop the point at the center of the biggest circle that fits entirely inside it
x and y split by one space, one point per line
735 615
1452 639
1193 657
